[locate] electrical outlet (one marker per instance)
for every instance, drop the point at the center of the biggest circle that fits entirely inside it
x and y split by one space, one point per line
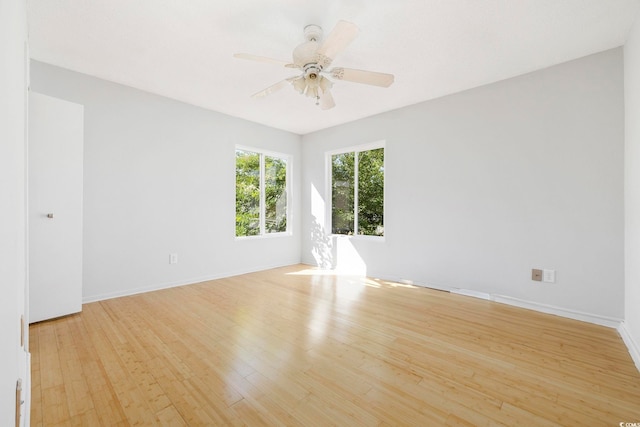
173 258
536 275
549 276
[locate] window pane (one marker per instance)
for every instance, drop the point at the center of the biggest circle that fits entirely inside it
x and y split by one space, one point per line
275 194
342 190
371 192
247 193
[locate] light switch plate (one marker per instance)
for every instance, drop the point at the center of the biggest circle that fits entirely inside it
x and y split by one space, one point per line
549 276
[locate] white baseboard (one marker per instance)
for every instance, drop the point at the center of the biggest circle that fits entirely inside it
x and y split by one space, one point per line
167 285
530 305
632 345
470 293
610 322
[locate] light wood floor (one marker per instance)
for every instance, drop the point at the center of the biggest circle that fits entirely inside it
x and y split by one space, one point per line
290 347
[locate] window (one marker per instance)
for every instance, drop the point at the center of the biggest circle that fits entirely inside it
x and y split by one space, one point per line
357 191
261 193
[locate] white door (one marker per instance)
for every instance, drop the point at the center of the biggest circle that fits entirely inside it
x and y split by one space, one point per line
55 207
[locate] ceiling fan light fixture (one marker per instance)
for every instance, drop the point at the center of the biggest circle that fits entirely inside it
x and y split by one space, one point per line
299 84
313 57
325 84
312 91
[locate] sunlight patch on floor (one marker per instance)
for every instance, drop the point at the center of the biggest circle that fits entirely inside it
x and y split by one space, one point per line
357 279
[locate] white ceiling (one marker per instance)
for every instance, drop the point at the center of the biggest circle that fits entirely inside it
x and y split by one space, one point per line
183 49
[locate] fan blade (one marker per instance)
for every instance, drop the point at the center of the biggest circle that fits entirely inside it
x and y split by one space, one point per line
326 100
276 87
251 57
362 76
337 40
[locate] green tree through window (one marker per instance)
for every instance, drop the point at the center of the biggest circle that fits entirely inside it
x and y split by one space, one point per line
342 193
357 192
261 193
275 194
247 193
371 192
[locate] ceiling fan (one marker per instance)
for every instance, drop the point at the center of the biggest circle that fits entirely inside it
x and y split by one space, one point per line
313 57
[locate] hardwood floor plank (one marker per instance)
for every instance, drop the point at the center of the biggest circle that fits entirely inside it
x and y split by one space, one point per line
324 407
526 418
398 407
55 405
110 345
50 370
295 346
217 410
248 415
75 383
188 407
36 377
170 417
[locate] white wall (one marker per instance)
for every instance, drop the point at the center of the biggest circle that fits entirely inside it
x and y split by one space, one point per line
159 178
484 185
13 32
632 189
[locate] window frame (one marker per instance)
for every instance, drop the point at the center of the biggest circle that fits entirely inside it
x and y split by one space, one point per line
328 185
288 158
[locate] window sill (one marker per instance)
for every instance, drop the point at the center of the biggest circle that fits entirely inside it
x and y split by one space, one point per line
264 236
362 237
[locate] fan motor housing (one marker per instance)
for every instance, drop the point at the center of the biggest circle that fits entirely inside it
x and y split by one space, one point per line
312 71
305 53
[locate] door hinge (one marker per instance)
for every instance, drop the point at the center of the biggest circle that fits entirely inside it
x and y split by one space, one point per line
19 401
